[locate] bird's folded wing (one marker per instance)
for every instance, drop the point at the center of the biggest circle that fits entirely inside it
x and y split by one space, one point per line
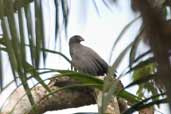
90 62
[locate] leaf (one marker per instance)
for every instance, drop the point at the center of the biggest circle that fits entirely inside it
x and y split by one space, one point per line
143 79
22 35
140 65
141 105
150 87
141 56
10 54
9 48
2 41
14 36
15 91
42 20
33 71
34 106
31 36
121 34
96 7
1 72
129 97
21 3
55 52
39 31
107 5
93 80
8 84
65 12
144 71
134 47
56 18
120 57
83 78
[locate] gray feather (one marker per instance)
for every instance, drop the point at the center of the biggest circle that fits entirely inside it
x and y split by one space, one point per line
84 59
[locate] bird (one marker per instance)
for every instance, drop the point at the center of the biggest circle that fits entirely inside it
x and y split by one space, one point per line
84 59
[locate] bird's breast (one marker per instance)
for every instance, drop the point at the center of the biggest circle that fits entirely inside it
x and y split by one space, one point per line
76 49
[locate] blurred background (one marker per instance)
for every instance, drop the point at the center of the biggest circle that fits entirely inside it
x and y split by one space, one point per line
29 30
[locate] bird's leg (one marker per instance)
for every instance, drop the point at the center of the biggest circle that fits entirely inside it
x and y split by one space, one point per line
73 68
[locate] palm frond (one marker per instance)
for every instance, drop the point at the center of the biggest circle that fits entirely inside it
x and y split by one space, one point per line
1 72
137 40
143 103
121 34
56 18
65 12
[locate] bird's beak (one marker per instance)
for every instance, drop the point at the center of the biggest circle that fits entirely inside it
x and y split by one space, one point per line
81 39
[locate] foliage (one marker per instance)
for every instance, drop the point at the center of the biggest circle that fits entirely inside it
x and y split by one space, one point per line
23 34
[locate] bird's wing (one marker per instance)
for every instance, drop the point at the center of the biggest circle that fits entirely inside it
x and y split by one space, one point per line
101 65
84 64
88 61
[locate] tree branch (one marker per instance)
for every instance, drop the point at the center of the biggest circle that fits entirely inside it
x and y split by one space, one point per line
66 98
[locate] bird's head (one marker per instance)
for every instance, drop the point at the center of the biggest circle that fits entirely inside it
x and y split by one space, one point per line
75 39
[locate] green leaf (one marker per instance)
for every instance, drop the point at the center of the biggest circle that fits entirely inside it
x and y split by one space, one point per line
8 43
22 35
16 89
33 71
21 3
143 104
39 31
42 20
140 65
143 79
145 70
2 41
20 99
30 31
129 97
83 78
14 36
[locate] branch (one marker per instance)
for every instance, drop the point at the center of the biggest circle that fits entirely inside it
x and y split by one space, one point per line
68 98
